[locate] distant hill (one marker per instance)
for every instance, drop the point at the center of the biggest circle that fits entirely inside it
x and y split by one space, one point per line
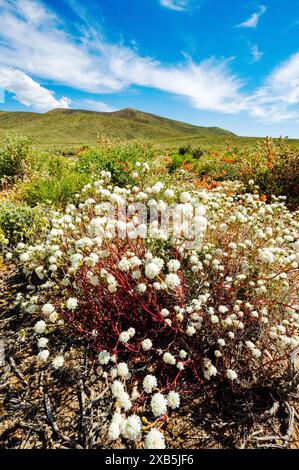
76 126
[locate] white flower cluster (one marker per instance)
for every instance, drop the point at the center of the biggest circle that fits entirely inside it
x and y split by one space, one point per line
165 301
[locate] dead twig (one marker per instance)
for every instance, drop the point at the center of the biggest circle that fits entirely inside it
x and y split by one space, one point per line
16 371
82 411
269 413
54 426
288 433
50 416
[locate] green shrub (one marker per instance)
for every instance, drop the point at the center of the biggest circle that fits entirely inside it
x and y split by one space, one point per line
13 153
183 149
118 158
54 190
21 223
197 153
179 160
93 162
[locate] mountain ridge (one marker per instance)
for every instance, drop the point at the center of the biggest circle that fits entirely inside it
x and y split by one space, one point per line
76 126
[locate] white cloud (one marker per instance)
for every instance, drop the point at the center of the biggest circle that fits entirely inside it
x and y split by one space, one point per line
256 54
252 22
34 47
284 81
43 50
29 92
278 98
177 5
95 105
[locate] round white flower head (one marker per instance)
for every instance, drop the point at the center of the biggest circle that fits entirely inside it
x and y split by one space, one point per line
124 337
183 354
72 303
47 309
169 358
185 197
117 388
154 440
124 401
173 265
222 309
43 355
191 330
172 281
113 431
58 361
141 288
173 400
131 331
146 344
42 343
168 193
256 353
24 257
53 317
152 270
40 327
231 374
164 312
122 370
214 319
133 428
117 418
149 382
104 357
158 405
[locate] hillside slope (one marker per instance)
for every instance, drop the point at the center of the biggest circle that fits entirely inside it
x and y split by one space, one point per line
72 126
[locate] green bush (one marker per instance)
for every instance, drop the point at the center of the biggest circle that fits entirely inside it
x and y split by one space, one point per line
179 160
118 158
197 153
54 189
21 223
183 149
93 162
13 153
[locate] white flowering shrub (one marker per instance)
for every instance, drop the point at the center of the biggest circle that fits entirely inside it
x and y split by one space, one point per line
175 317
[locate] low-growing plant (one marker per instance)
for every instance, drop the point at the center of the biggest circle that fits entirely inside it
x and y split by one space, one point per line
178 161
21 223
174 319
59 189
13 154
272 164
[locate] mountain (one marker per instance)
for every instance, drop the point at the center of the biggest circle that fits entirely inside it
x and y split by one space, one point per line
76 126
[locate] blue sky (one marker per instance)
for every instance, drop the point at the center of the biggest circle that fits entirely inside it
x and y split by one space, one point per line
227 63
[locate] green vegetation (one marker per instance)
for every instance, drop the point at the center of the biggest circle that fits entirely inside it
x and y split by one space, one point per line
38 180
21 223
78 127
53 234
13 153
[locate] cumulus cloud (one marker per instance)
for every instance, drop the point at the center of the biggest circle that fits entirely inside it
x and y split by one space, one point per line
29 92
253 21
177 5
42 49
34 47
278 98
